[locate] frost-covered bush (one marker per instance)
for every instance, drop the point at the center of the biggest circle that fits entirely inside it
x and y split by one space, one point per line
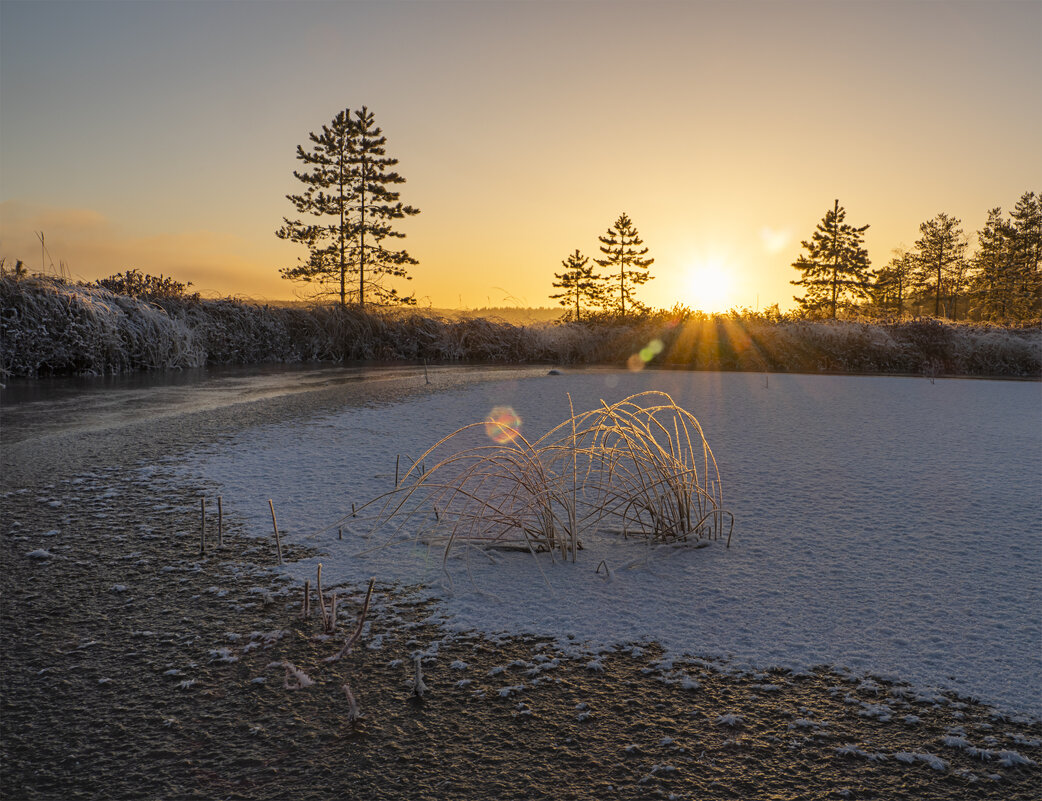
51 327
846 346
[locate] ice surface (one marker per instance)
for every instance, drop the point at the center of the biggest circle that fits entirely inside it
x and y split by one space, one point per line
889 526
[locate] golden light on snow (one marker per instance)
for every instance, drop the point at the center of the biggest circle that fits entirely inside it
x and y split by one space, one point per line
503 425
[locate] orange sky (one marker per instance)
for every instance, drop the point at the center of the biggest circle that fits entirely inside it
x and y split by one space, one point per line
161 136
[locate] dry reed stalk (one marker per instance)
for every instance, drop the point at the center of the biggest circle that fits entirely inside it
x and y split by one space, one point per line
321 600
419 689
332 614
275 525
352 705
220 523
202 526
358 626
305 611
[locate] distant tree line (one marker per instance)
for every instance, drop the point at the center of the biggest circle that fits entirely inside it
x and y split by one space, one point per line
1000 282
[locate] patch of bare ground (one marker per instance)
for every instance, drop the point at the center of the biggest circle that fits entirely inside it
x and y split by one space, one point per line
135 667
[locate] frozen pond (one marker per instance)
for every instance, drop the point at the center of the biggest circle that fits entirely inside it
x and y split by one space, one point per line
31 408
891 526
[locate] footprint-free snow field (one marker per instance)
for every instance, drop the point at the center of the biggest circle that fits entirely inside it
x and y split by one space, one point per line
889 526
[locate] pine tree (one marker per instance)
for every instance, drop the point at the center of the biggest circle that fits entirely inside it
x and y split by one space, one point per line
579 284
892 282
940 255
1026 222
836 264
624 257
994 285
349 188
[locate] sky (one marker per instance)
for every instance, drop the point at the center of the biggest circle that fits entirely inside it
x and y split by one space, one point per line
162 136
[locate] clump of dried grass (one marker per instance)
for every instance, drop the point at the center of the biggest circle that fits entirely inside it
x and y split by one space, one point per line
641 467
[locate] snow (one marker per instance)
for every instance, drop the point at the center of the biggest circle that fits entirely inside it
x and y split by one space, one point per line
885 526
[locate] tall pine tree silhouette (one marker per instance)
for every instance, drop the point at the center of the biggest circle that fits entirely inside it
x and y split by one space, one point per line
349 187
836 264
1026 220
940 254
579 284
625 261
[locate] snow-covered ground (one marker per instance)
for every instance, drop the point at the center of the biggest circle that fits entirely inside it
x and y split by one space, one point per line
891 526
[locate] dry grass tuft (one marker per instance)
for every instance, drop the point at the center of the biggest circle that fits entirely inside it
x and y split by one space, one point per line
641 467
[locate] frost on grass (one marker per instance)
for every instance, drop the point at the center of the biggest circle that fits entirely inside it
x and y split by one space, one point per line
851 750
931 760
295 677
640 467
89 330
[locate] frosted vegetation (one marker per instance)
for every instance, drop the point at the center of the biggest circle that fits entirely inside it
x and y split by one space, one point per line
641 466
886 526
51 327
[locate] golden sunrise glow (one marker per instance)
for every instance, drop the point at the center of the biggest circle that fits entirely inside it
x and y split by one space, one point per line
724 180
710 286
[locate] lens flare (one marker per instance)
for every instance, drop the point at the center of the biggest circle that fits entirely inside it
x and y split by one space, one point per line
774 240
502 425
645 355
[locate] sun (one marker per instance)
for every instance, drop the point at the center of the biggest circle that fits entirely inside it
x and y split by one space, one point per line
709 286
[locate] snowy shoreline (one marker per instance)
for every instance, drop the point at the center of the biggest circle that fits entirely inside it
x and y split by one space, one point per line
853 548
129 654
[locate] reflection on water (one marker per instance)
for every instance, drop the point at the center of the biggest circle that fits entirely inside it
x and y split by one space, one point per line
38 407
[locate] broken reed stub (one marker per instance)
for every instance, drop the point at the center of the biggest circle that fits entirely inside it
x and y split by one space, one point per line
202 526
275 525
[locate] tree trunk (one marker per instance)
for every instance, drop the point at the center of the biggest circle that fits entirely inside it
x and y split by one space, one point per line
835 287
361 246
343 238
622 289
937 302
835 255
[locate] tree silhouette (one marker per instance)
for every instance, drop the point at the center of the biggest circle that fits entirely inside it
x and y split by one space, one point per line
836 264
348 186
624 257
994 284
1026 221
579 284
940 257
893 282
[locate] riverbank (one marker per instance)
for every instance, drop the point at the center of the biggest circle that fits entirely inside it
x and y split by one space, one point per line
51 328
134 666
